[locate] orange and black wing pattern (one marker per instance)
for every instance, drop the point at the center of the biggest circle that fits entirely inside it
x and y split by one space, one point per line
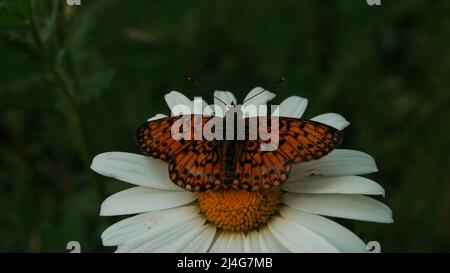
305 140
154 139
198 165
299 141
195 165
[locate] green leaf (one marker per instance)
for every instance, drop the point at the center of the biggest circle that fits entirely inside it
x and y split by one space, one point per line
51 22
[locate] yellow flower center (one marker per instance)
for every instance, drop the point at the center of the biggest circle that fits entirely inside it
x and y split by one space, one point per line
238 210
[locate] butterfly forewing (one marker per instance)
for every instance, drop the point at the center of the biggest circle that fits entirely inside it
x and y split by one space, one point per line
157 139
305 140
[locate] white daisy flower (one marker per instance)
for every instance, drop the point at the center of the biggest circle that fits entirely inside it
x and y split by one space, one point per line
168 218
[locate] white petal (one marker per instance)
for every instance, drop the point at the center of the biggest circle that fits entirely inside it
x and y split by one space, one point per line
223 99
335 120
157 116
141 199
228 242
175 98
135 169
293 107
334 184
122 231
270 244
348 206
202 105
342 238
173 237
258 96
298 238
158 220
251 242
338 162
201 241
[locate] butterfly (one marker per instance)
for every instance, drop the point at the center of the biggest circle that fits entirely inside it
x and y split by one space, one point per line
211 164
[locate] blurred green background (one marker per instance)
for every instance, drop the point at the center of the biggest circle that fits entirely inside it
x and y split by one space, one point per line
76 81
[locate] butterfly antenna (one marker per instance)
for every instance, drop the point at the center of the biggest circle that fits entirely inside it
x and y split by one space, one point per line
200 86
282 79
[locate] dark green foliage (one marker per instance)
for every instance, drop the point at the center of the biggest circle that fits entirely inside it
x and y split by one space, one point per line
77 81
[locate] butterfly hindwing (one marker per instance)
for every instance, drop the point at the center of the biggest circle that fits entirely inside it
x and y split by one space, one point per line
198 167
256 169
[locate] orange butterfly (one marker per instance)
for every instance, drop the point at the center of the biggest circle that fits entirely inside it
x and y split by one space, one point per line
201 165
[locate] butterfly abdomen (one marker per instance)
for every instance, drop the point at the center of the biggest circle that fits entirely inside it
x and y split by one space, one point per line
230 150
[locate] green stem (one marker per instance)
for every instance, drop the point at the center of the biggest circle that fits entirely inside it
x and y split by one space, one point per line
67 93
